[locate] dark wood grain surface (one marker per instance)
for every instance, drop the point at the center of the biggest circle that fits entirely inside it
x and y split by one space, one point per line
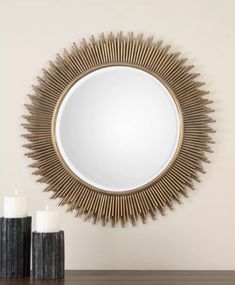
48 255
127 277
15 241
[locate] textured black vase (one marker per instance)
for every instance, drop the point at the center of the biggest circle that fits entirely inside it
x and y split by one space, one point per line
15 245
48 255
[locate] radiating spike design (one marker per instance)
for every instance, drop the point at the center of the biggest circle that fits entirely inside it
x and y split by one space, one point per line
137 52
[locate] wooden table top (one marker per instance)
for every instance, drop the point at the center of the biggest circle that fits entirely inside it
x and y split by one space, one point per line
133 277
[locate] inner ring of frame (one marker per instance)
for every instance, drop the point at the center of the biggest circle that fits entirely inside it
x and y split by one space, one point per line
75 135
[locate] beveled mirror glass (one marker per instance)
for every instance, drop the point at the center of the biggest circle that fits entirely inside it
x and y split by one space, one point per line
118 128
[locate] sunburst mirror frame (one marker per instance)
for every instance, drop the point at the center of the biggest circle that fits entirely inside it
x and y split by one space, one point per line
127 50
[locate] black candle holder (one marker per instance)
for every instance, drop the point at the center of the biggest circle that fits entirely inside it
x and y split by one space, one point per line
48 255
15 246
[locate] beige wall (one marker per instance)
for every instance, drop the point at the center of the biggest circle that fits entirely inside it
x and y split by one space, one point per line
200 233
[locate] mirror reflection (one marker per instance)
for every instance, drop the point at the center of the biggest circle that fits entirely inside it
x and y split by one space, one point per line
118 128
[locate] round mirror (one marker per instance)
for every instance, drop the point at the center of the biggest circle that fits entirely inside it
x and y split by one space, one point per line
118 128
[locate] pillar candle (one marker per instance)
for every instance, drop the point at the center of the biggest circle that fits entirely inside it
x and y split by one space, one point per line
15 206
47 221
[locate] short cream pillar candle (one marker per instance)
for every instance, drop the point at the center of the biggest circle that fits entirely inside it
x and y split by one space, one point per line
47 221
15 206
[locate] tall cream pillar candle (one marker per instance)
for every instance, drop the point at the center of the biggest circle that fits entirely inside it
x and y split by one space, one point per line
15 206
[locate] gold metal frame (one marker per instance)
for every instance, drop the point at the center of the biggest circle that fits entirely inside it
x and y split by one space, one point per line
148 56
